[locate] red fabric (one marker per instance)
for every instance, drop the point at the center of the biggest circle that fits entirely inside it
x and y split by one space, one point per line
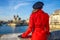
38 25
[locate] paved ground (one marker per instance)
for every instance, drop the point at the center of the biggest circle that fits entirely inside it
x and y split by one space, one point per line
12 37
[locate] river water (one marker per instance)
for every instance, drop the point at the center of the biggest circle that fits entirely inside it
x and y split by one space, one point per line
20 29
8 29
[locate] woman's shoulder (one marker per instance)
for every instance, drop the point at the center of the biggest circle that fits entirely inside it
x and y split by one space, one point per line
32 15
46 14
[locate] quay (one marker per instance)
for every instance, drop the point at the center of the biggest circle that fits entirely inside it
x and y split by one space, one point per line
12 37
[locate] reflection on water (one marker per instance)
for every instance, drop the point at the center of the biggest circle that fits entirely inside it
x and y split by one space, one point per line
8 29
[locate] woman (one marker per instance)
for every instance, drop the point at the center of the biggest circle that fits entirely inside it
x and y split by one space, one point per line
38 24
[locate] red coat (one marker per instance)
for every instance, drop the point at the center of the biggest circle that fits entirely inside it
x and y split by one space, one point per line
38 25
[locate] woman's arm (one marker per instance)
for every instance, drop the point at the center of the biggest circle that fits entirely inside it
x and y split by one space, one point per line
31 25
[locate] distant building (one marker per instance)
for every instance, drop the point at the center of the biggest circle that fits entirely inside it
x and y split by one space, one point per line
27 21
16 19
55 19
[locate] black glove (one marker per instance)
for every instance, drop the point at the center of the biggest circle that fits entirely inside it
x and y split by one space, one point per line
20 36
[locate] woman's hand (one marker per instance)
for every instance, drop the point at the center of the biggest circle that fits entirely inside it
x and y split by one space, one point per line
23 35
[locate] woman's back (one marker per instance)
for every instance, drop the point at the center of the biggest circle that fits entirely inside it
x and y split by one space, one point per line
40 19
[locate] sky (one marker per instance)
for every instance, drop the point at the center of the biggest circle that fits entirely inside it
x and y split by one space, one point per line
23 8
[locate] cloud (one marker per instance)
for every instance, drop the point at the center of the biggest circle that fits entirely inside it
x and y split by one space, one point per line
20 4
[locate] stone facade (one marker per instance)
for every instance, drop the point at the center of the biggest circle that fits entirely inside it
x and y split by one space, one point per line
55 20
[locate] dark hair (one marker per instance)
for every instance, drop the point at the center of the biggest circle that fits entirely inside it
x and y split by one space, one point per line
38 5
